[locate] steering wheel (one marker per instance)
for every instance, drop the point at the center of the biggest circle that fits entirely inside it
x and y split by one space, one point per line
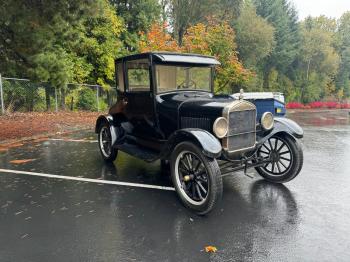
191 84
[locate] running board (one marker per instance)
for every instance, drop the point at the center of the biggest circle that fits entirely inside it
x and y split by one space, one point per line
143 153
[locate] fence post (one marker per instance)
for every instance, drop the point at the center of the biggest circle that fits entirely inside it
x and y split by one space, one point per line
2 97
98 102
56 105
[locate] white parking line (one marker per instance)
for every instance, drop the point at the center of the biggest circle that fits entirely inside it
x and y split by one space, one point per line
73 140
90 180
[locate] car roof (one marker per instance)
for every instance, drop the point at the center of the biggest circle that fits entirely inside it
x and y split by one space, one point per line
171 57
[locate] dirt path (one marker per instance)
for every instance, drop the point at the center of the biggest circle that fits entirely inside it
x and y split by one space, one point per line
26 125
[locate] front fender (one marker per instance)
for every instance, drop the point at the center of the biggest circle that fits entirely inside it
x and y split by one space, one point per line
289 126
284 125
208 143
108 119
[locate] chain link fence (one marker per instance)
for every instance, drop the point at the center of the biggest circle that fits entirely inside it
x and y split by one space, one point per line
23 95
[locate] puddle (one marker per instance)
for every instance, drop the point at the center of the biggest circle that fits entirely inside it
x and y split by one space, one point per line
320 118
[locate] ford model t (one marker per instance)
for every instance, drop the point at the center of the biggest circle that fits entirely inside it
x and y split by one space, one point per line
166 110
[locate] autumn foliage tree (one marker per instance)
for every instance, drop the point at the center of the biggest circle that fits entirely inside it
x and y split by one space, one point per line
157 39
214 38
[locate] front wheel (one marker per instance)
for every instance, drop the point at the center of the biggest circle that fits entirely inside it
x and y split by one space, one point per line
197 178
108 152
286 158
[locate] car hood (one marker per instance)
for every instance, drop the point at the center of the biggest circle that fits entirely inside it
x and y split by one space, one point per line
204 106
190 110
195 103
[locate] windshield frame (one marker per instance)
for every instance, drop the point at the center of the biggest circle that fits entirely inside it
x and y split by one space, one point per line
211 83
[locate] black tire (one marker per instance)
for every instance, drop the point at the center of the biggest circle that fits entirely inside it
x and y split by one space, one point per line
204 188
108 152
287 158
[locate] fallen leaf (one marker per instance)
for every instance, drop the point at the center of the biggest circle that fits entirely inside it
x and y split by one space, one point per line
6 147
210 249
14 145
40 139
21 161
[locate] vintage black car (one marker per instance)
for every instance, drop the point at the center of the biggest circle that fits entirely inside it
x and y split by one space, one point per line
166 110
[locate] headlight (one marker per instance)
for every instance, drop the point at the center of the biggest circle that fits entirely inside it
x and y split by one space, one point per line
220 127
267 121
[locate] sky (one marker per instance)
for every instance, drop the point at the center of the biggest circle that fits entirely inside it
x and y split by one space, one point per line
330 8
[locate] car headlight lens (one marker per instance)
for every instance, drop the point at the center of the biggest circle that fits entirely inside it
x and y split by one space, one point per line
267 121
220 127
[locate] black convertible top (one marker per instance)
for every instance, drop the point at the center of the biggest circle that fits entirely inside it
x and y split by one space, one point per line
172 57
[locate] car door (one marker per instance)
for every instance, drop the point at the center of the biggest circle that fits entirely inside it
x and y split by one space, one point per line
139 97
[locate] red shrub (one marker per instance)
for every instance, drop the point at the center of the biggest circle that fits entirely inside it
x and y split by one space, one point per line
331 104
294 105
345 106
316 104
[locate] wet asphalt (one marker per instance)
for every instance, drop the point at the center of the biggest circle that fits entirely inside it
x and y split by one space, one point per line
50 219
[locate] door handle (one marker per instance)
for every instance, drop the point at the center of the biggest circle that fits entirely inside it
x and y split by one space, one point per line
125 101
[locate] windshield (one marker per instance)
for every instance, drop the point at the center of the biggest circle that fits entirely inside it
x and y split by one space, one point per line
170 78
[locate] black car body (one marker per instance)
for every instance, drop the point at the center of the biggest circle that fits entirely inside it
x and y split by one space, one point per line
167 110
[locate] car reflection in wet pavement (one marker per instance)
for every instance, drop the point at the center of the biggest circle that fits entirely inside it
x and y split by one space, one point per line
56 219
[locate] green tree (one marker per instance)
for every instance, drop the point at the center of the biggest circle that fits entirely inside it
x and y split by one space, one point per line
255 36
184 13
283 17
87 100
343 33
100 44
138 16
59 41
31 33
318 60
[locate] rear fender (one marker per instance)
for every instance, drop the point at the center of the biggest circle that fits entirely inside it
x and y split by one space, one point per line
208 143
106 119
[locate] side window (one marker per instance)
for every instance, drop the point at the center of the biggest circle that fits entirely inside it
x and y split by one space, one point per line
138 75
120 78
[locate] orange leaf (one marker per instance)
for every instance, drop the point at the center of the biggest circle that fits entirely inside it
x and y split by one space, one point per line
21 161
40 139
210 249
14 145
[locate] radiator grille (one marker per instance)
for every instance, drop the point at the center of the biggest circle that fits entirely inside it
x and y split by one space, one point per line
242 132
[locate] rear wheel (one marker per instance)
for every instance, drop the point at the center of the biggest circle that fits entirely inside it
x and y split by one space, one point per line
108 152
286 157
196 178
